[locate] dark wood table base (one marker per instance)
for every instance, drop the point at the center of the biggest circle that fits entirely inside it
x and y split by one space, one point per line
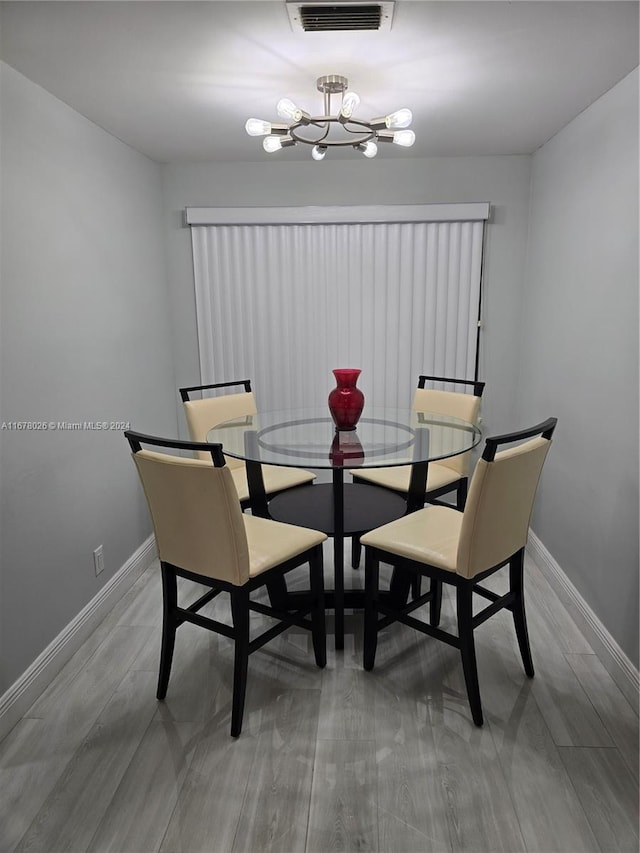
364 508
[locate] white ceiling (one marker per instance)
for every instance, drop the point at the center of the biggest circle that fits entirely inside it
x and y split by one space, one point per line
177 80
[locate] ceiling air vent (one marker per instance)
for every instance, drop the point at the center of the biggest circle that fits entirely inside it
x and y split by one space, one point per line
323 17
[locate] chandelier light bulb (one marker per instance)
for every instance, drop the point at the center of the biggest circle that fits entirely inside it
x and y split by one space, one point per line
257 127
287 109
318 152
350 103
272 144
405 138
401 118
369 149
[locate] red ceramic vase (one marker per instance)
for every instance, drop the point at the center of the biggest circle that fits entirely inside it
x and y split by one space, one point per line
346 401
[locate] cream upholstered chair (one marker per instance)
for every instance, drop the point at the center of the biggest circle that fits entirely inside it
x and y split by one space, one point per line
205 413
203 535
461 549
447 475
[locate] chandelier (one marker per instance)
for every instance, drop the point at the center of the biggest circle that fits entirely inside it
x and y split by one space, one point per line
332 131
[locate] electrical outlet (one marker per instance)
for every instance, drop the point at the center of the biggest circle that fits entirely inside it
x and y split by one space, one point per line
98 560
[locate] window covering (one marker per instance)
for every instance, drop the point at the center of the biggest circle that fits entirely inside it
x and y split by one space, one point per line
283 303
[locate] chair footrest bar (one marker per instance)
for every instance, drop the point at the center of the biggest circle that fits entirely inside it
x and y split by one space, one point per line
486 593
384 622
416 603
423 627
284 615
204 622
286 620
269 634
204 599
505 601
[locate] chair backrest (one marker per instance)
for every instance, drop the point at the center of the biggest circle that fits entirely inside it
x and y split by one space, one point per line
455 403
496 517
194 507
202 415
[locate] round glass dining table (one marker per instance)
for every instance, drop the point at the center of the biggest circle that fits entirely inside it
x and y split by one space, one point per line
307 438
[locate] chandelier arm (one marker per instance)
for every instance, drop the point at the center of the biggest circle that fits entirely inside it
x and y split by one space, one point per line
326 127
359 130
318 121
334 143
359 122
320 125
322 121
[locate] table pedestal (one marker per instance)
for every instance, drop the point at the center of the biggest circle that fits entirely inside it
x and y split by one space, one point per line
338 510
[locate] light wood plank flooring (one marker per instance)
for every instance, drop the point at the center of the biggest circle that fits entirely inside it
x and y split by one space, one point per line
333 760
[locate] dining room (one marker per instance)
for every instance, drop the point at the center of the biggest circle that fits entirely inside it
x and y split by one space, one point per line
121 124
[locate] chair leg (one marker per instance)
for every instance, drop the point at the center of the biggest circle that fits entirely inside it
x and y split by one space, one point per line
371 587
435 606
400 585
416 586
516 585
169 627
240 614
278 594
356 550
461 494
318 624
464 596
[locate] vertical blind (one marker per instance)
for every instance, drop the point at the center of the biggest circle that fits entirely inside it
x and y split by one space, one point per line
284 304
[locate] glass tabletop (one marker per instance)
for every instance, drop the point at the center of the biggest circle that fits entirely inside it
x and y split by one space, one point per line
307 438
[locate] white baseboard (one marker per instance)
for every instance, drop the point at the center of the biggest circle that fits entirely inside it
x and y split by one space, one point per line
15 703
616 662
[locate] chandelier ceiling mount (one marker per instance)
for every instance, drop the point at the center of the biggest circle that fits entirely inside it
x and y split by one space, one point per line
316 131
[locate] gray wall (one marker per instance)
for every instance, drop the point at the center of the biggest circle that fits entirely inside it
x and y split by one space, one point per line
84 337
504 181
580 352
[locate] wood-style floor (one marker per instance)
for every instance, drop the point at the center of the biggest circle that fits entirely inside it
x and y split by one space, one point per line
333 760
